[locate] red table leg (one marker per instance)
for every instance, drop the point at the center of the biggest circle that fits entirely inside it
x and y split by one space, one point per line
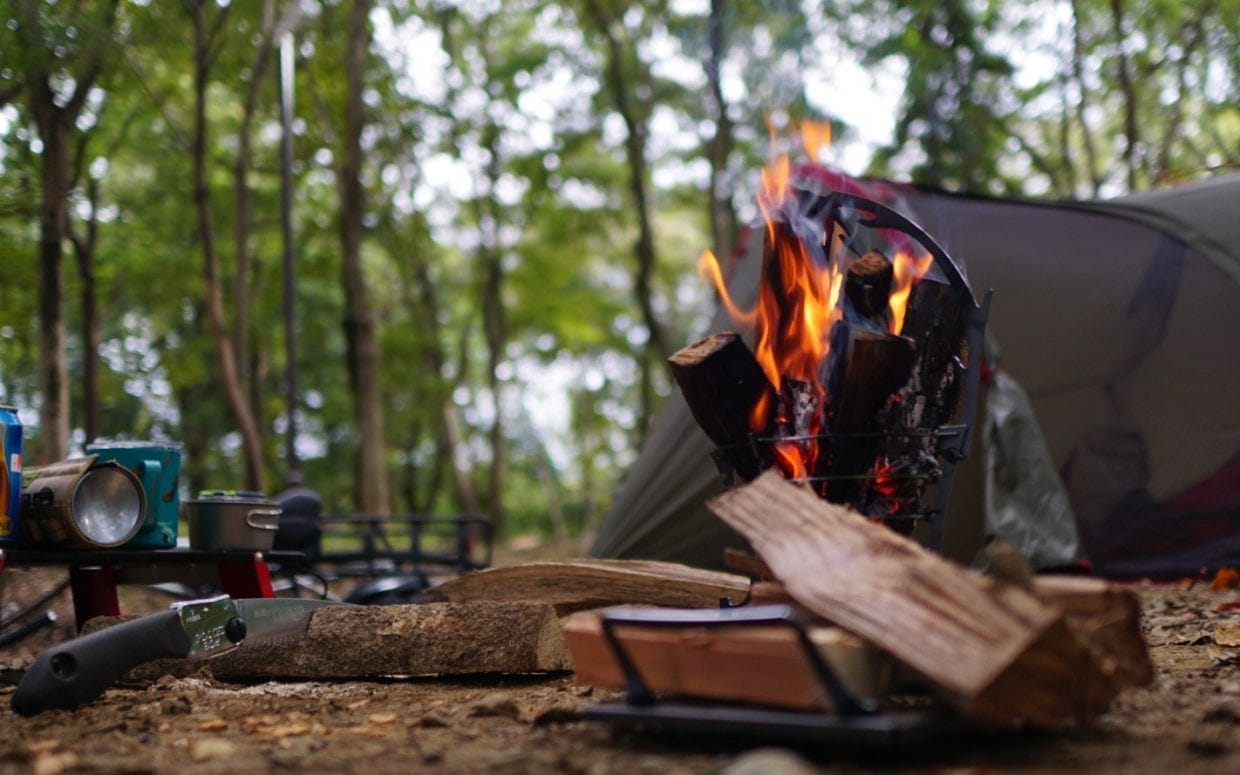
94 592
246 579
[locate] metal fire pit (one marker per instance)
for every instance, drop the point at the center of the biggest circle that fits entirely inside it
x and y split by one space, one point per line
932 447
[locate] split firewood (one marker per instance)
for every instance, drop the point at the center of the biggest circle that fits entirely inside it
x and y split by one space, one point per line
995 651
1107 618
863 371
742 663
577 585
722 382
344 642
1104 616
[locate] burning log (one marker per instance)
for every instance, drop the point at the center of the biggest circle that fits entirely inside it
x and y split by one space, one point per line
864 370
867 360
995 651
722 383
868 286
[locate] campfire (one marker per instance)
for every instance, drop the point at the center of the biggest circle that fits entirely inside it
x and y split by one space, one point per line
862 378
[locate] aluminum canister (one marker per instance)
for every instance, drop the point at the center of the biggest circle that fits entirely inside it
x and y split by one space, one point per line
10 474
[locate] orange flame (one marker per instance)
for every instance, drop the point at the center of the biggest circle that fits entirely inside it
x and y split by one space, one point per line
798 304
815 136
708 267
907 271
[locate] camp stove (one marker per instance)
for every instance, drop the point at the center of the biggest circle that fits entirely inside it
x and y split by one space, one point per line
898 400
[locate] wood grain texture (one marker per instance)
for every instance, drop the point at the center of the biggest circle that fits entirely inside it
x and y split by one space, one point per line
578 585
1106 617
348 642
995 651
429 639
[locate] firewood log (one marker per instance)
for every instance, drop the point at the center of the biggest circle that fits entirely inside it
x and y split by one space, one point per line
580 584
722 382
868 285
995 651
393 640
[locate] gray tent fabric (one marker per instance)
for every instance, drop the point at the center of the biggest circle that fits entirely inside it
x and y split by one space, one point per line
1118 319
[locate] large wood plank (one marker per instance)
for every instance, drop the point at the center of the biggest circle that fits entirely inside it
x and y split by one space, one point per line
996 651
743 663
578 585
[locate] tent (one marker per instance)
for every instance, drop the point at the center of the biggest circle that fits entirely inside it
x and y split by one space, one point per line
1116 318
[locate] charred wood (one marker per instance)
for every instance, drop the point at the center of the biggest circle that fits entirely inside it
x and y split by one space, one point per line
868 286
722 383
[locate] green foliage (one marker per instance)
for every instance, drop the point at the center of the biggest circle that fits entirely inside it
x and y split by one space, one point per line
494 149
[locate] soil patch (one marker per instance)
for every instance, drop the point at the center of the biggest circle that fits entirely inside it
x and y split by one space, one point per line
1187 721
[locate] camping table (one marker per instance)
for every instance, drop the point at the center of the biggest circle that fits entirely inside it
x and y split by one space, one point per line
95 574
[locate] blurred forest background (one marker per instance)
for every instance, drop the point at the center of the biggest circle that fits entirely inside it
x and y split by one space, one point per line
497 207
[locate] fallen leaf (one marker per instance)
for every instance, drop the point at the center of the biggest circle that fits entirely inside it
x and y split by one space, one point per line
1226 578
210 748
54 763
214 725
41 747
1222 655
364 731
287 730
1227 633
496 704
381 718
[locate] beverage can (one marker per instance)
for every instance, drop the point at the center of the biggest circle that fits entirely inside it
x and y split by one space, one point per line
10 474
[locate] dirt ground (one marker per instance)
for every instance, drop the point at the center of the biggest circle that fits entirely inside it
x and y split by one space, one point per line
1187 721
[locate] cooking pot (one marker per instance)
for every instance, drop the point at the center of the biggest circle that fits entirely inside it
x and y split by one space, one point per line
232 520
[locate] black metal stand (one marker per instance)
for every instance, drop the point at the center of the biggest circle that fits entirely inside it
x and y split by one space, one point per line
854 721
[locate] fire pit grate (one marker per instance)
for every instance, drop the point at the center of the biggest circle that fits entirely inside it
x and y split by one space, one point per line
887 413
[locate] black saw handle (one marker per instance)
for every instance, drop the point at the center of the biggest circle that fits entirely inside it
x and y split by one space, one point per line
77 672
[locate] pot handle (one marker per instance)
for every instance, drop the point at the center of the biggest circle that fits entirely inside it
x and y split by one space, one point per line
263 524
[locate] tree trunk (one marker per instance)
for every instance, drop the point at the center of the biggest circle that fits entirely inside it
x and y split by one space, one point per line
657 346
54 128
55 116
1082 103
230 380
723 227
448 437
1132 131
495 324
84 250
361 337
244 269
